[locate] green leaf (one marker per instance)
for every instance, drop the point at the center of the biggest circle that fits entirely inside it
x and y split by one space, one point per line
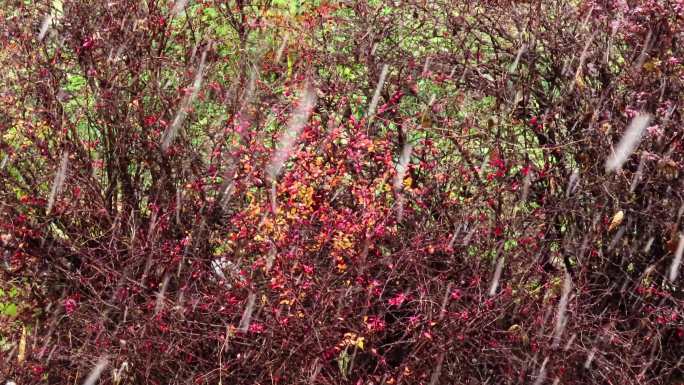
510 244
210 12
75 83
8 309
343 363
295 6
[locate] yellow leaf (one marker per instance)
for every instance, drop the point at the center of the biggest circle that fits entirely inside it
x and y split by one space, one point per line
514 328
519 330
341 266
652 65
21 356
579 81
426 121
617 220
351 339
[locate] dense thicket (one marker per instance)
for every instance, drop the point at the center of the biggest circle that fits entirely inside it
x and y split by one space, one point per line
364 192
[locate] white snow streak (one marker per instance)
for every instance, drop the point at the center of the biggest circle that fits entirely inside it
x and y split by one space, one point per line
294 127
178 6
96 372
58 183
44 27
171 132
677 261
628 143
402 166
378 88
247 314
497 276
562 306
542 372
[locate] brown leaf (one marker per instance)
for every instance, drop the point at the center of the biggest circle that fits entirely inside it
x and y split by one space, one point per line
669 169
672 243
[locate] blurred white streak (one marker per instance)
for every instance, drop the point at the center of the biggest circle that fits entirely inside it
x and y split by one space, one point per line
629 142
614 29
514 66
573 182
96 372
58 183
402 166
497 276
674 268
171 132
193 52
281 49
247 314
638 174
438 370
527 182
270 258
378 89
374 48
315 372
220 265
583 57
648 245
400 207
590 358
4 162
228 187
432 100
44 27
485 161
116 56
274 194
117 374
179 197
469 236
453 237
570 341
178 6
542 372
447 293
294 127
616 238
644 50
161 295
426 66
562 306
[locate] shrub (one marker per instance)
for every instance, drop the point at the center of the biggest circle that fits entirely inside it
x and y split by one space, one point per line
322 192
